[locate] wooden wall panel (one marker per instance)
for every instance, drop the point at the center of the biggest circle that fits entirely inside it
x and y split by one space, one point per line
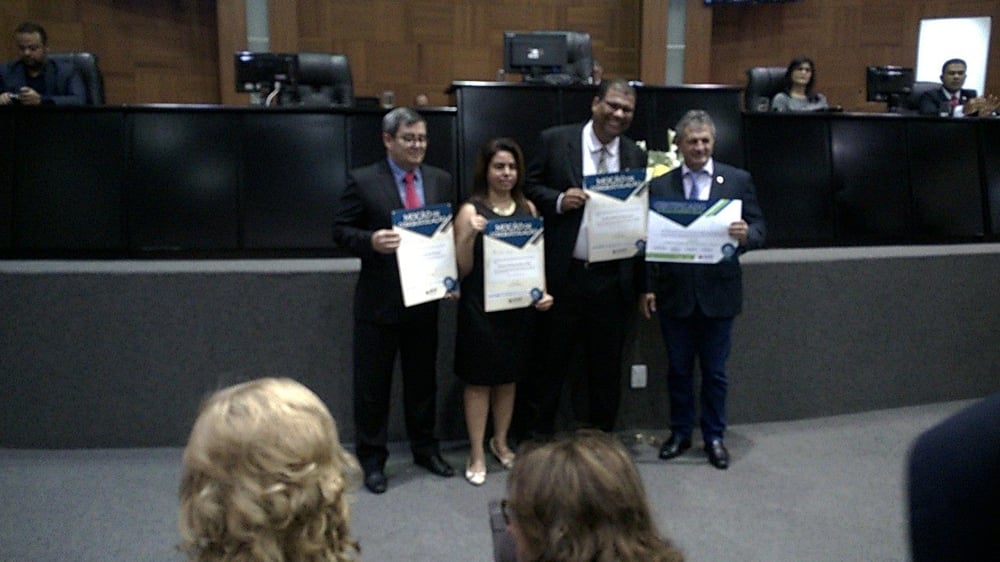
179 51
421 46
697 43
842 36
232 33
653 59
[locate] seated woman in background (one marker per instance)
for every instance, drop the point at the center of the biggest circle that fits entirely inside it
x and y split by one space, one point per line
798 94
265 478
581 499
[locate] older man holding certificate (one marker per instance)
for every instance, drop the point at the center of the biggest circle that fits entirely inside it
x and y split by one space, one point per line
694 281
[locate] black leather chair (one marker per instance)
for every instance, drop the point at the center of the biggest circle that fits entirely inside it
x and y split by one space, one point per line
579 59
911 106
86 65
763 82
323 79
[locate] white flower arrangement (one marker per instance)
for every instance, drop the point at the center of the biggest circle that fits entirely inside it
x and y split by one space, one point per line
660 162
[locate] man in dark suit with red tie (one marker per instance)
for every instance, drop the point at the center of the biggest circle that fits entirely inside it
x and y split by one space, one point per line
383 326
951 95
584 332
696 303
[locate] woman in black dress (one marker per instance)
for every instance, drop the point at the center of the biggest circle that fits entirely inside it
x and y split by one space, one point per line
491 348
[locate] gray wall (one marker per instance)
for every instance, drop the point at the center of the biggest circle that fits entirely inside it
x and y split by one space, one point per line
116 354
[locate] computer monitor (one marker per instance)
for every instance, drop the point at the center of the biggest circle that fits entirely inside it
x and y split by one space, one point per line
557 57
534 55
890 84
259 72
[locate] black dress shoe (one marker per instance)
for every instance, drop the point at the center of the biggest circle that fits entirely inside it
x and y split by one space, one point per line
376 482
717 454
435 464
674 446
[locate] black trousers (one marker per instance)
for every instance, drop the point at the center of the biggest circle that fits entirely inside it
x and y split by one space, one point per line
580 340
375 349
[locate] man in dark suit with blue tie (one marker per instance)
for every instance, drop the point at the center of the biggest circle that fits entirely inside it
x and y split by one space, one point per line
696 303
584 332
383 326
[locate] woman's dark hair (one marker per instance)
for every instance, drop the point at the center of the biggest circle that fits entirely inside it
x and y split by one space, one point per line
480 187
797 62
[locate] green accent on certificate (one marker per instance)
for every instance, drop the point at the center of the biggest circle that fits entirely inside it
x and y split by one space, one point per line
686 231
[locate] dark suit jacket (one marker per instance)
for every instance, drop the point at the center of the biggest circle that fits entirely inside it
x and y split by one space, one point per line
717 288
935 102
63 83
556 166
366 205
954 486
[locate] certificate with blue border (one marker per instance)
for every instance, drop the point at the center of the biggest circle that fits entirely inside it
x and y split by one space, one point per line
426 253
686 231
513 263
615 214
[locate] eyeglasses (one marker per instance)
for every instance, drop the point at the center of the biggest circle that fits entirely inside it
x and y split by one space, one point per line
413 139
615 106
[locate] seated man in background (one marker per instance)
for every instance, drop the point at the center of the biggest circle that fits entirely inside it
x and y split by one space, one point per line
951 98
33 79
265 478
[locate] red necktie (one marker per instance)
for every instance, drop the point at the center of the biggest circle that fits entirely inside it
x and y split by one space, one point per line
954 101
412 199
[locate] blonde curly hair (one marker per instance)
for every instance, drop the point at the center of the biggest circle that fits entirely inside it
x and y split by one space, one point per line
265 478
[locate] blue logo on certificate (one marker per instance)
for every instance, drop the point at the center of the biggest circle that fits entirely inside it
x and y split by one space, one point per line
517 232
427 221
620 185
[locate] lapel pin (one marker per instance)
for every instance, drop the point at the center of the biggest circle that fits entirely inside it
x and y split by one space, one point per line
720 180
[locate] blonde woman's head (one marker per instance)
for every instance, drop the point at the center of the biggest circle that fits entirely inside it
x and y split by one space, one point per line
265 478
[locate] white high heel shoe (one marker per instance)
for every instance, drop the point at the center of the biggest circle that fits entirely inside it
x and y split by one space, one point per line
474 477
507 461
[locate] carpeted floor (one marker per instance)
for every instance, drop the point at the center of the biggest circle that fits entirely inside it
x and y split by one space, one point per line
828 489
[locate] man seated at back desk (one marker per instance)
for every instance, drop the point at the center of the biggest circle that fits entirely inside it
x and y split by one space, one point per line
951 99
33 79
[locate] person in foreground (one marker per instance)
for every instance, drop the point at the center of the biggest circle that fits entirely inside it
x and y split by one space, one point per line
954 486
383 326
696 303
580 498
491 348
585 330
265 478
33 79
799 93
